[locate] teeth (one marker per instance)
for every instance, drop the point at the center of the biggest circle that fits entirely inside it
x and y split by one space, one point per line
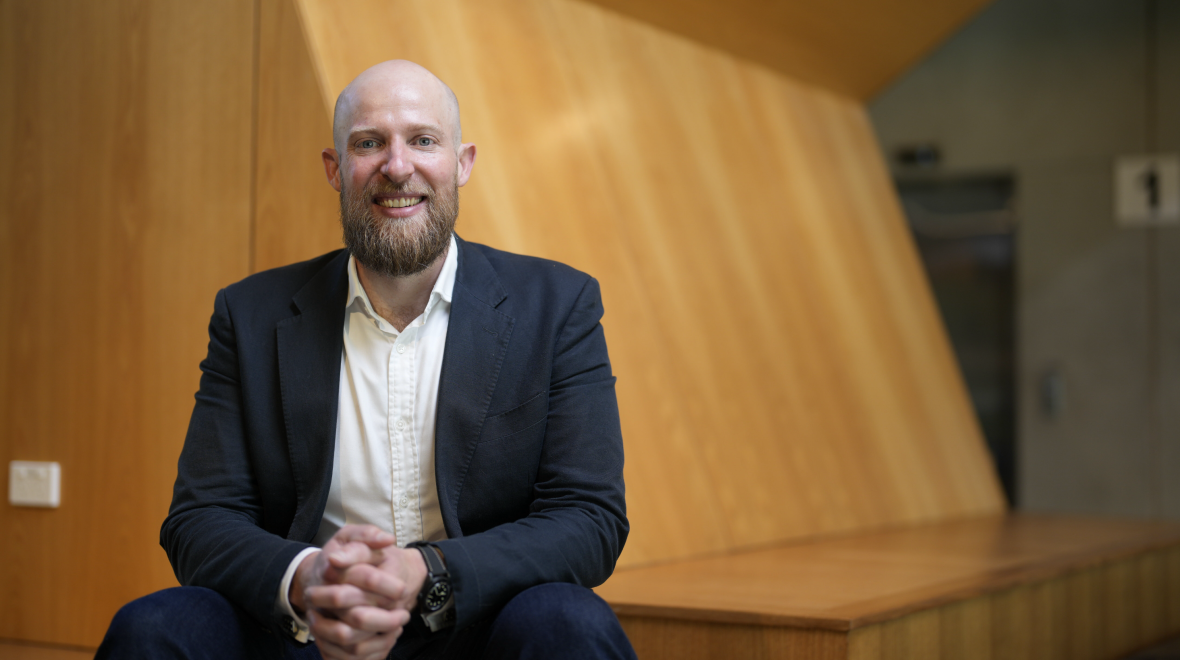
398 202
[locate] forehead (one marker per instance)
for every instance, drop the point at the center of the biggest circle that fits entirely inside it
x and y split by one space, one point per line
393 105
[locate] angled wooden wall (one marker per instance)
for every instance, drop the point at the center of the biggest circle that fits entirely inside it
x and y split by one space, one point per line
782 369
297 213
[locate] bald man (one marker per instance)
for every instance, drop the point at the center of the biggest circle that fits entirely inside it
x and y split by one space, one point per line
409 448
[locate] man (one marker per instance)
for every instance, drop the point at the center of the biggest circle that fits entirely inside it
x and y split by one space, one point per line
439 416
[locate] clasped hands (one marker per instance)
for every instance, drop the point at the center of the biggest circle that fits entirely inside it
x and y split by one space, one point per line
356 594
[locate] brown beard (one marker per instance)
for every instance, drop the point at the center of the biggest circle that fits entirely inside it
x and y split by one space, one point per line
398 246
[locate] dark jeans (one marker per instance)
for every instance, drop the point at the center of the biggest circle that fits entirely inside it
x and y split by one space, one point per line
547 621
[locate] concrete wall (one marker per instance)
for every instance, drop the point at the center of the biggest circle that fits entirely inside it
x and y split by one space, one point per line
1052 91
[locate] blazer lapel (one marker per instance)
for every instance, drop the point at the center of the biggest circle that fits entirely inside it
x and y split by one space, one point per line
309 349
477 339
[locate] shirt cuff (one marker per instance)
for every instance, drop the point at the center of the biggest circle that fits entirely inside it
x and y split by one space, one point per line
295 626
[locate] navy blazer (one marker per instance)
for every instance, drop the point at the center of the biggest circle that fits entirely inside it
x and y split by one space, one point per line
528 450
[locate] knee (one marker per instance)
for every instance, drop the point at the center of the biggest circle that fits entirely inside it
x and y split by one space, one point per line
141 617
561 606
152 626
561 617
163 609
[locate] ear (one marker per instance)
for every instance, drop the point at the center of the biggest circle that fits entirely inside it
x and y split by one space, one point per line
332 167
466 162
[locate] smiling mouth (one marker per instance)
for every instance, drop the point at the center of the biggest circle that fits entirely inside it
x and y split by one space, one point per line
397 202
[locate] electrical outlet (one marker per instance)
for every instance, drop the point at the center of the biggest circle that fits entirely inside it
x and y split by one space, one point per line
34 483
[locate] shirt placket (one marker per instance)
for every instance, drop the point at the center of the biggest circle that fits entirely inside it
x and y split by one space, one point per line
409 496
402 386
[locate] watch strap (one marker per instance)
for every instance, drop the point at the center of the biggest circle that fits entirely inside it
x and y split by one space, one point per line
435 566
436 570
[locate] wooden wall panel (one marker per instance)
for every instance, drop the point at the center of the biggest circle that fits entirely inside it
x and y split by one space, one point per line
125 129
782 369
691 640
297 212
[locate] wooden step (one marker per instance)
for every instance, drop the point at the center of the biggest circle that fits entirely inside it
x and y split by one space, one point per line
996 587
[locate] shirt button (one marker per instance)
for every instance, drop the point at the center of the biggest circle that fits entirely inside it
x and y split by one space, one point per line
403 502
401 348
401 424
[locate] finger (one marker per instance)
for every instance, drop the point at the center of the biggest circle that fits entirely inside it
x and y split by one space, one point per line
387 589
354 552
376 648
381 654
370 535
335 631
378 645
332 651
334 597
374 619
398 566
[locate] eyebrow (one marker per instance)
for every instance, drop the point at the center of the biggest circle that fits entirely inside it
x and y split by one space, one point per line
413 128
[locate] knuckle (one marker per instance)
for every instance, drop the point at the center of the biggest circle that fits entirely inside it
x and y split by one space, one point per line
324 631
353 616
321 598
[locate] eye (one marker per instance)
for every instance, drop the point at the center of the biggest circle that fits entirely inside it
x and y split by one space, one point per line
425 142
367 144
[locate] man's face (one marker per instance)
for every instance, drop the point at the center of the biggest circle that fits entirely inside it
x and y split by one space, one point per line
398 174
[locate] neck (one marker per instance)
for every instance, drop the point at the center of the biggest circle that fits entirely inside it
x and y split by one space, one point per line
400 300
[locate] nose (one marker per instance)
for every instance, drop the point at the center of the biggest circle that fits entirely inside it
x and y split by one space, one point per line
398 166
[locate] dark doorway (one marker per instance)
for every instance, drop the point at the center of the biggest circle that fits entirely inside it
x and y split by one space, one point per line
965 232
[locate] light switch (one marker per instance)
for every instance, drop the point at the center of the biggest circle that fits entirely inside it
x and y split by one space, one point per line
34 483
1147 189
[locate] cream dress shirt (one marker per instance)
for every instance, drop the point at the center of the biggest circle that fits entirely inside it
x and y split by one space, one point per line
383 472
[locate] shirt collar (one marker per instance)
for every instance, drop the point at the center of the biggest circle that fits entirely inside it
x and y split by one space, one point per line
444 286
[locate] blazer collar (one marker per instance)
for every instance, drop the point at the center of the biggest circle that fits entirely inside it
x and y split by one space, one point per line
477 275
309 348
477 340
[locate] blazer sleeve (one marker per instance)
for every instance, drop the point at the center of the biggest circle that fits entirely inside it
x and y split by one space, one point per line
213 533
577 523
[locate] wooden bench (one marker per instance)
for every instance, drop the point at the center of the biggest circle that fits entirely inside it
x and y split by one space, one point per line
1017 586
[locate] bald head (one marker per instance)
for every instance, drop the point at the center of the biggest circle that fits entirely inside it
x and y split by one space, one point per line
391 82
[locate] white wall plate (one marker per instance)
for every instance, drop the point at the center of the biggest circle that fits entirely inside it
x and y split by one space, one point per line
34 483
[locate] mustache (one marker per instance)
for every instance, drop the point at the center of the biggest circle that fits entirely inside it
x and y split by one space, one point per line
374 188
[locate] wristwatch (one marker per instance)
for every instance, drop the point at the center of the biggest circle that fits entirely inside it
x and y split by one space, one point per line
436 600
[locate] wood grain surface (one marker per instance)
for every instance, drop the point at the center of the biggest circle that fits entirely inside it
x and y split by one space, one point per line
1105 611
296 211
850 582
668 639
990 589
782 369
125 129
27 651
849 46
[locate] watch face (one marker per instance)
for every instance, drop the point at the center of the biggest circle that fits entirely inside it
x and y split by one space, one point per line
438 595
